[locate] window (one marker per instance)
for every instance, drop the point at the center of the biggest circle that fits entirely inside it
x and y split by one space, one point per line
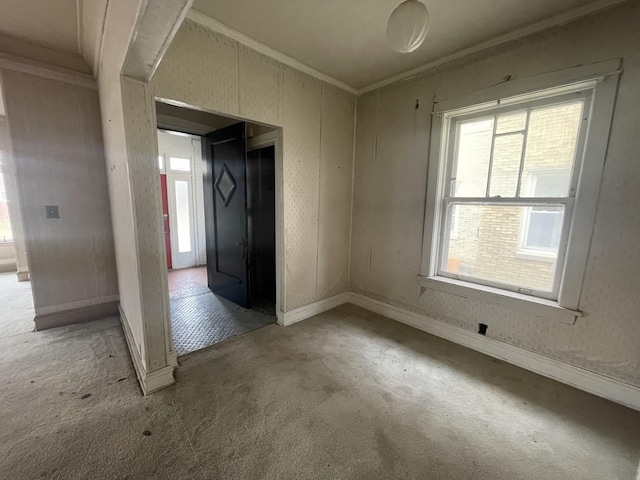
180 164
505 208
541 227
5 226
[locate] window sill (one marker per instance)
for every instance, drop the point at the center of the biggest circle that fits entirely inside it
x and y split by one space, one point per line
511 300
535 256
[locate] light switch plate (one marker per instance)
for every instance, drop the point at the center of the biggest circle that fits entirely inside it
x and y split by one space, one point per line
52 211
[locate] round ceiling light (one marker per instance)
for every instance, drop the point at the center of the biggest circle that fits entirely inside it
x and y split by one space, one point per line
408 26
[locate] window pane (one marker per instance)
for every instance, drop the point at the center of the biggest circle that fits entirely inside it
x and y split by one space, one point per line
488 245
543 228
512 122
5 225
507 152
472 163
551 145
180 164
182 214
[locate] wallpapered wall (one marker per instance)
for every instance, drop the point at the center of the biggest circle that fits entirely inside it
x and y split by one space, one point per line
207 70
389 194
58 152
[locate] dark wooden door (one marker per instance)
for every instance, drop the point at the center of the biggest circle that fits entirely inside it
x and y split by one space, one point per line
225 198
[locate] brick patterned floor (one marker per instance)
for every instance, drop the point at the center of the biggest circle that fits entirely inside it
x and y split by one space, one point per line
200 319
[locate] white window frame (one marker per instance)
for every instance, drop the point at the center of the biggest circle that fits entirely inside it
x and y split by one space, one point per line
602 80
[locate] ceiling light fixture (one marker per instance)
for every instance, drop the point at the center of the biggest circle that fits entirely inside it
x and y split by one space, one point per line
408 26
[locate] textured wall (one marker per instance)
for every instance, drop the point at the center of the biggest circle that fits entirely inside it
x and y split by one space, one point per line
204 69
119 26
58 151
389 195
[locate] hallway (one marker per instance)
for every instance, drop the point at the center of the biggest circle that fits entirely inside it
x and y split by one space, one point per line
200 319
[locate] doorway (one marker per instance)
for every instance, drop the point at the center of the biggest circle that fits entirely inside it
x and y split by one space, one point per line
219 214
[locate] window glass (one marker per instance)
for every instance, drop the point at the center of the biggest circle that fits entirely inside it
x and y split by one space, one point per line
180 164
183 216
473 149
507 152
552 139
486 245
5 225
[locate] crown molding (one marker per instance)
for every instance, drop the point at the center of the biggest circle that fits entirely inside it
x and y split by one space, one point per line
249 42
502 39
537 27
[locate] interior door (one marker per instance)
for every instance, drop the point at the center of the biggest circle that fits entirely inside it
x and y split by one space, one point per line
225 198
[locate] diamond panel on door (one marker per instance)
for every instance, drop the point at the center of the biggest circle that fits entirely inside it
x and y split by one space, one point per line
225 185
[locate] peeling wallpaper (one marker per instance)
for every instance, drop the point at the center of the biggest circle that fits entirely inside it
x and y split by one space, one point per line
389 194
204 69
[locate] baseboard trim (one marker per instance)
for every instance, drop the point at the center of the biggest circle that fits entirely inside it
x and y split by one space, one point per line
149 382
24 276
605 387
8 266
45 321
289 318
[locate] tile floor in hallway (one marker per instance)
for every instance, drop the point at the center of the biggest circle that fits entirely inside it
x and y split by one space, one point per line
199 318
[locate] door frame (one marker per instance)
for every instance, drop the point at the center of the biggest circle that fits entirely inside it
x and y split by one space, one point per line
274 138
195 157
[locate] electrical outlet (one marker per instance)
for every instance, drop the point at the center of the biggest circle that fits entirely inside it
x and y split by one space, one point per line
52 211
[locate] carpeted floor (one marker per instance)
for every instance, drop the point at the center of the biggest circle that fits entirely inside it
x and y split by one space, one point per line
344 395
16 305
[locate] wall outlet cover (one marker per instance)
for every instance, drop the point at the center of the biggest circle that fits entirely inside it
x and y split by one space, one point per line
52 211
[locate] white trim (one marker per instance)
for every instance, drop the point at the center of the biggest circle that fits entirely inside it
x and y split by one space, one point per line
149 382
509 37
261 141
25 65
79 25
505 298
249 42
74 305
589 162
580 378
527 88
288 318
594 155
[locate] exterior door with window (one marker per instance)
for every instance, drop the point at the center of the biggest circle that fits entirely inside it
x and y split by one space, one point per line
181 216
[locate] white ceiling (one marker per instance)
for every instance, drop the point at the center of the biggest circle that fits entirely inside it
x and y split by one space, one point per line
346 39
69 26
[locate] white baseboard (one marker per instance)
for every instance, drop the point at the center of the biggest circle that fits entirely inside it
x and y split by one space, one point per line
580 378
152 381
288 318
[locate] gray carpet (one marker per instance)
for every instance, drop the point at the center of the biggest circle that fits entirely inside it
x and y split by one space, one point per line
200 319
16 305
344 395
